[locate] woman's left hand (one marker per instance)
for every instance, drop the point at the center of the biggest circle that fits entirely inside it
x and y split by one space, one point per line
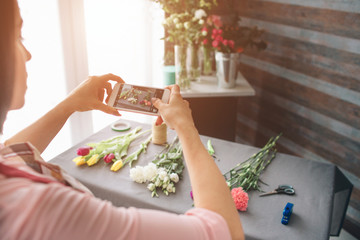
89 95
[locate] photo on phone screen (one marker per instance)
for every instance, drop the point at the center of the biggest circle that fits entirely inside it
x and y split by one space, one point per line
137 98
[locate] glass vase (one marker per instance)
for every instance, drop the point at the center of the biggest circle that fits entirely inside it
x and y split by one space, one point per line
181 75
207 60
194 62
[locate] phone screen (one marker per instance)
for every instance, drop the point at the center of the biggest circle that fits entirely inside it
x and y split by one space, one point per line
137 98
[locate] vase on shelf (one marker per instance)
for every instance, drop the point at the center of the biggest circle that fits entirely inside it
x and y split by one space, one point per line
181 73
207 60
194 62
226 69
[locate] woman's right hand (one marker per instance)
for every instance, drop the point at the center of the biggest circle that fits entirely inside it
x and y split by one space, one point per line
176 113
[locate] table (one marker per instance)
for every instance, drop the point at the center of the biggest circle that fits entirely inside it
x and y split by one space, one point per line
214 107
320 202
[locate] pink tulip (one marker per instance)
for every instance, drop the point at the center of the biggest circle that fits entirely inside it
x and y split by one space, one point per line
109 157
83 151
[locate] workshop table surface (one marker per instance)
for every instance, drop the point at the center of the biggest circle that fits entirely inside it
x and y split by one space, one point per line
320 201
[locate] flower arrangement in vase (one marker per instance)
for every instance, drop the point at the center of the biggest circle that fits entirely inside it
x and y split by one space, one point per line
229 40
183 29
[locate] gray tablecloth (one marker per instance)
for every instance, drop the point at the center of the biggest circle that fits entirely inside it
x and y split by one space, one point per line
320 202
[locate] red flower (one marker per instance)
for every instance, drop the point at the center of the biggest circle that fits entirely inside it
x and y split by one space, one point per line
83 151
219 38
205 41
215 43
108 158
240 198
225 42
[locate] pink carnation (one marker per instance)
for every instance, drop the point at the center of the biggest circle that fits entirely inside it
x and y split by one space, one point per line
241 198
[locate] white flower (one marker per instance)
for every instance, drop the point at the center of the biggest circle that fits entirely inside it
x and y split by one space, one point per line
176 20
137 174
151 186
157 182
166 178
150 171
162 174
187 25
174 177
200 13
170 187
201 21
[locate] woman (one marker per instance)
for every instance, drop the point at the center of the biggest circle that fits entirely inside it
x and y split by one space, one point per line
40 201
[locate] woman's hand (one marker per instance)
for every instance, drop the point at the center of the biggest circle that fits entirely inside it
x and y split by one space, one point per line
176 113
89 95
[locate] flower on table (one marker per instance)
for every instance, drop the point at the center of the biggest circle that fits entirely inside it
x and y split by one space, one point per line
137 174
117 165
109 158
157 178
79 160
150 171
93 160
83 151
240 198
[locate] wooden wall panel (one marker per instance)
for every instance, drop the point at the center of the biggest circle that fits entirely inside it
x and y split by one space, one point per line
307 84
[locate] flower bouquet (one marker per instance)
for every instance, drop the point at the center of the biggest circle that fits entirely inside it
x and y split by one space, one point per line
113 150
229 39
184 30
163 172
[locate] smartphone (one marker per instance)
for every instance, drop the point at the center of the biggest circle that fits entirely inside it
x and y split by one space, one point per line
134 98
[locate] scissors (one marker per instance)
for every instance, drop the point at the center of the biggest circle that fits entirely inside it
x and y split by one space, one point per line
286 189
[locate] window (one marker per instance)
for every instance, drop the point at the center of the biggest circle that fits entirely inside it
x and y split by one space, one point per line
121 37
46 81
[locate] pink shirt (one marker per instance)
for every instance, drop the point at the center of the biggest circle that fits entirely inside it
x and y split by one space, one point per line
33 210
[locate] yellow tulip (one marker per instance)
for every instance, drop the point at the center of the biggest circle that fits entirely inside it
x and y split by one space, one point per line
79 160
93 160
117 165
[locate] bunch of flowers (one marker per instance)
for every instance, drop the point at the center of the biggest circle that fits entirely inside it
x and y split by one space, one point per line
212 22
231 37
184 28
155 177
113 150
163 172
247 174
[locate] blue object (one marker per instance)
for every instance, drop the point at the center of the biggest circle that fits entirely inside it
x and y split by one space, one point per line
287 213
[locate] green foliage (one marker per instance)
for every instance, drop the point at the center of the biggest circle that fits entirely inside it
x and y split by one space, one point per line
247 174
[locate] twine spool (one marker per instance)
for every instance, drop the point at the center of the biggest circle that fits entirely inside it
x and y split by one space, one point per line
159 133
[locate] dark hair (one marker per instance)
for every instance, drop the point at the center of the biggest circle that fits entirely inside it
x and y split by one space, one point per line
7 56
